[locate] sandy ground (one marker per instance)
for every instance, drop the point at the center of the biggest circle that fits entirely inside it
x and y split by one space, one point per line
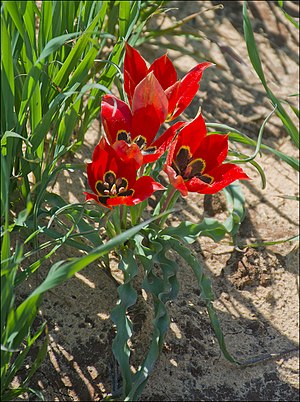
256 291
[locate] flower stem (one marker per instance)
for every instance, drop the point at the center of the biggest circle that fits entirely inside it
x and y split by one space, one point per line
116 221
141 171
123 217
172 197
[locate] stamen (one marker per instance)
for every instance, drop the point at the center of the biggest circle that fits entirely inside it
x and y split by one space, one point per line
119 181
113 189
112 186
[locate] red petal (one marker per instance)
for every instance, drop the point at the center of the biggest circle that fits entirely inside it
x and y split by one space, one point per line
135 70
121 200
90 196
127 170
213 150
188 87
168 135
144 187
171 151
192 134
223 175
149 158
91 176
176 181
163 142
99 148
94 197
98 166
115 116
172 94
149 108
128 152
164 71
106 158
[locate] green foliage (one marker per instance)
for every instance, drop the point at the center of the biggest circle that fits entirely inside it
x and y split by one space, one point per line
53 79
57 60
211 227
256 63
291 19
16 322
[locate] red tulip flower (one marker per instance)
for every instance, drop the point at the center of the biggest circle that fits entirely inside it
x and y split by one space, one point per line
195 161
179 93
114 182
139 125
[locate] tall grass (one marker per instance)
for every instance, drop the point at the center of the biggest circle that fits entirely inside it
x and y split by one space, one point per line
57 60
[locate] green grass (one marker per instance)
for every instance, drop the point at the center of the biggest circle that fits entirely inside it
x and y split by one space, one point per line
57 62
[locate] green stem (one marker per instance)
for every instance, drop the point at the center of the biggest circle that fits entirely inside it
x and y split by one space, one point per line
123 217
172 197
116 220
141 171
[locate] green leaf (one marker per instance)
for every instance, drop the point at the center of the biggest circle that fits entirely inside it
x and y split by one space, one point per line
189 231
61 271
206 293
64 72
291 19
8 119
268 243
54 44
163 288
124 17
127 297
236 207
19 322
256 63
19 361
258 142
210 227
12 134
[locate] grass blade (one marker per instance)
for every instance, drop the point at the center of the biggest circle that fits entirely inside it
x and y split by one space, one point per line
256 63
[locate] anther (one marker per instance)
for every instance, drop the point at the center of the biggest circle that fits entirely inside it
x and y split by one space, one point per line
113 189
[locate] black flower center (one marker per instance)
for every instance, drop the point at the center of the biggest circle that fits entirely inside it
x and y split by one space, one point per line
112 186
187 167
139 140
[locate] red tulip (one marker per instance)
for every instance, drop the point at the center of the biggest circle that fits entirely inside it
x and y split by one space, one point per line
138 126
179 93
114 181
195 161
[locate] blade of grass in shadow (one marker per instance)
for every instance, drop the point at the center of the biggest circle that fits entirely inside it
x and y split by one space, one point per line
59 273
256 63
288 16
